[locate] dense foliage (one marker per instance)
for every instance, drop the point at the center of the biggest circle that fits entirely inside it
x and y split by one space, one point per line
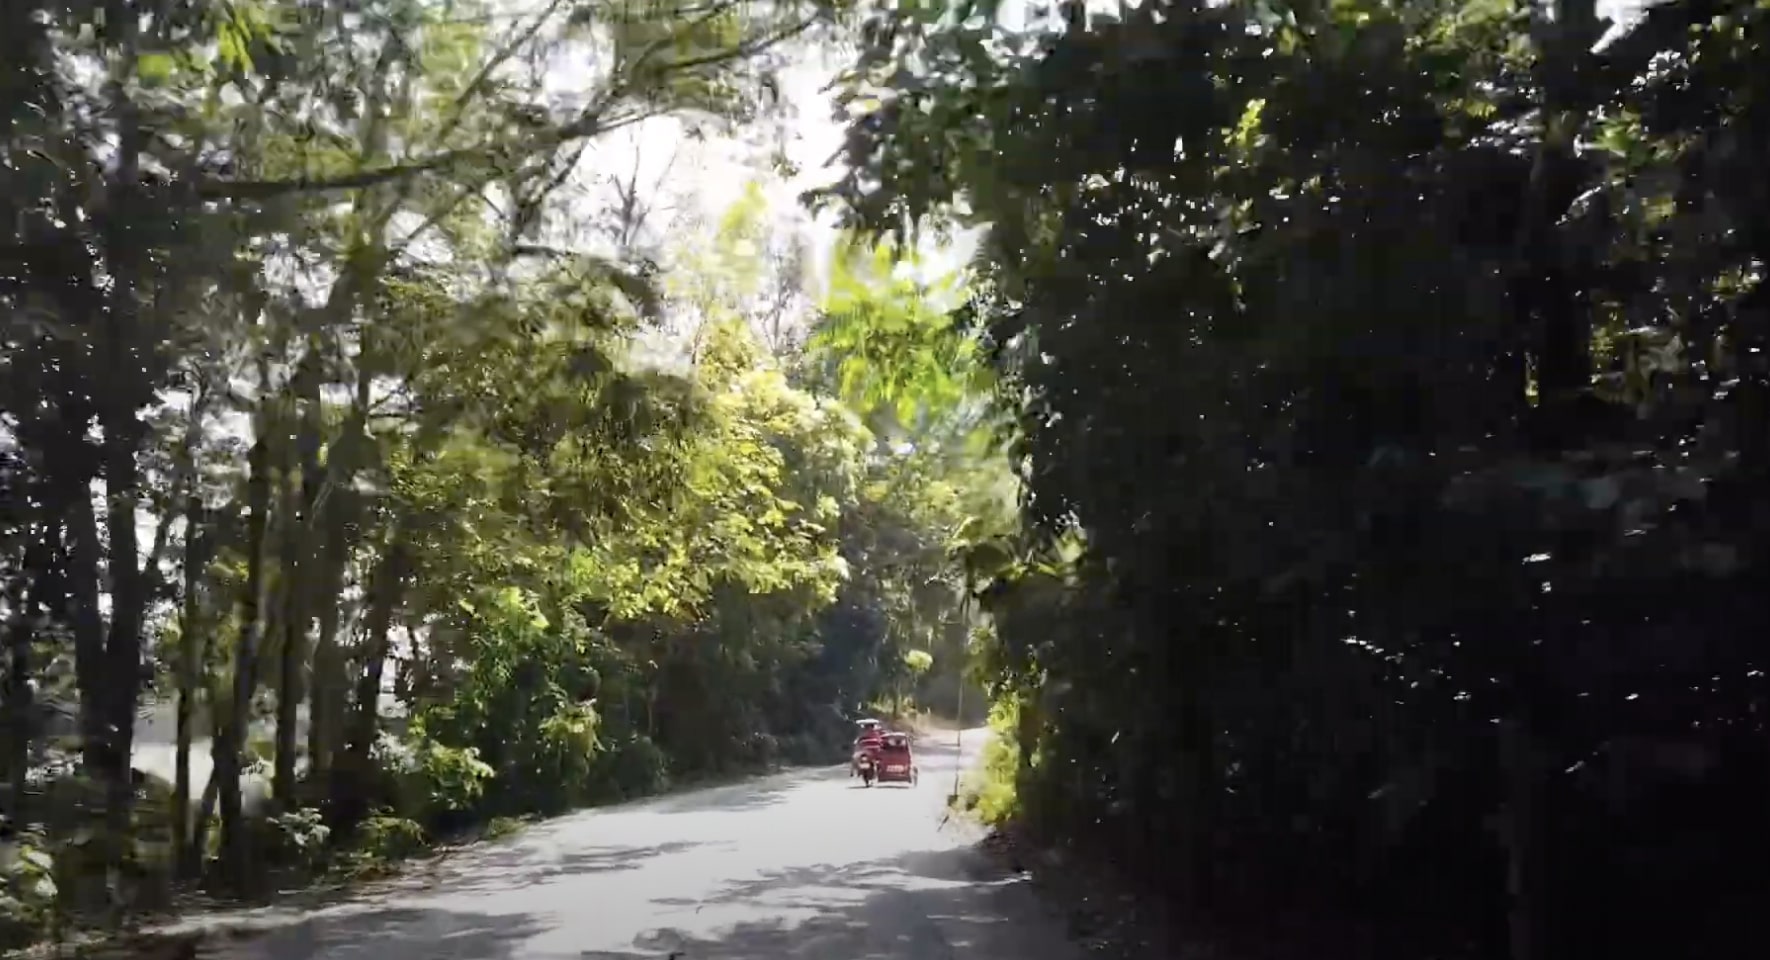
1344 456
1390 392
317 430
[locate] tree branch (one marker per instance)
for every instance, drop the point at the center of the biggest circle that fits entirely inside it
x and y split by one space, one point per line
588 124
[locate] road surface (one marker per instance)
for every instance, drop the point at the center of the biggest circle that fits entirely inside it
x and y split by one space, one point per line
805 865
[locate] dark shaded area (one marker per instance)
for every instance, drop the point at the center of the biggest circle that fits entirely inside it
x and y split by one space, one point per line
1397 457
535 860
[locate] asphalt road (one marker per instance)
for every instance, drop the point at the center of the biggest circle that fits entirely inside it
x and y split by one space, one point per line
806 865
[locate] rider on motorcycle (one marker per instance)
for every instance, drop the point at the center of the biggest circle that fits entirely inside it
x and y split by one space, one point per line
872 736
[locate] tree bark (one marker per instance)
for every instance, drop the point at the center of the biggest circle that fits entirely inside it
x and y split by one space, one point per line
351 778
230 737
327 703
188 670
84 556
186 666
307 561
323 701
127 373
293 652
198 850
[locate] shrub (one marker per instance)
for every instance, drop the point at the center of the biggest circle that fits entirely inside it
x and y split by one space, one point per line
27 892
500 827
298 838
991 792
453 779
634 766
384 837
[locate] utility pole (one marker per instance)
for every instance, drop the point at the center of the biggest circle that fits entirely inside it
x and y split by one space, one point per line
959 704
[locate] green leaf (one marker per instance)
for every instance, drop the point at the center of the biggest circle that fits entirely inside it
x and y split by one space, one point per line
155 69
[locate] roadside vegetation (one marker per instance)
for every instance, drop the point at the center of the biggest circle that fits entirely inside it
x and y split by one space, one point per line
426 495
1389 393
1343 461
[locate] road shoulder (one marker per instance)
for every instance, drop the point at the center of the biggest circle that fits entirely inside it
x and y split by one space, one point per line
1104 913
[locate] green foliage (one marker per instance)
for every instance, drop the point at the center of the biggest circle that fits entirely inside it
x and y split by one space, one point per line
499 827
384 838
990 792
378 440
634 766
28 891
520 725
300 838
893 338
1331 334
454 778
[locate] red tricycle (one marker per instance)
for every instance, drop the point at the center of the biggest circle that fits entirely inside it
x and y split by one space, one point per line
881 757
896 762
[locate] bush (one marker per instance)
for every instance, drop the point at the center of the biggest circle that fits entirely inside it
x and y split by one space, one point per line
453 780
810 748
27 892
562 755
500 827
992 790
388 838
298 838
627 768
996 801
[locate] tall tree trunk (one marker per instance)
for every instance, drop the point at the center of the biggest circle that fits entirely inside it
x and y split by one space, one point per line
325 682
84 554
199 842
230 737
330 522
301 562
186 666
292 653
20 638
351 778
127 375
189 677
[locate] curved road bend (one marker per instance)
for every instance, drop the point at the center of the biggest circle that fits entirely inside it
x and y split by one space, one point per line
804 865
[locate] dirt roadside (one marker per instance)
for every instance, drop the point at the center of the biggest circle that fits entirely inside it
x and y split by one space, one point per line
1103 911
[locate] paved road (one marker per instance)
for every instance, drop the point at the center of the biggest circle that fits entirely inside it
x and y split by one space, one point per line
800 866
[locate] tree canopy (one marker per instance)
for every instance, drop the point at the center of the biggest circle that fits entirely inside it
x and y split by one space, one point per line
389 512
1387 396
1342 457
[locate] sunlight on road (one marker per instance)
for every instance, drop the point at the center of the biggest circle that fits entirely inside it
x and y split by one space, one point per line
808 864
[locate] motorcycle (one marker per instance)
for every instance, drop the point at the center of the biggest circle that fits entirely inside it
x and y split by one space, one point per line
864 761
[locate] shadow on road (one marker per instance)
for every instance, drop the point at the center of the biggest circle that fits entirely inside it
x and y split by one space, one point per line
539 860
936 905
739 797
393 931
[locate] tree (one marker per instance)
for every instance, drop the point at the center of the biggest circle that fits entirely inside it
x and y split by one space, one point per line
328 228
1317 518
